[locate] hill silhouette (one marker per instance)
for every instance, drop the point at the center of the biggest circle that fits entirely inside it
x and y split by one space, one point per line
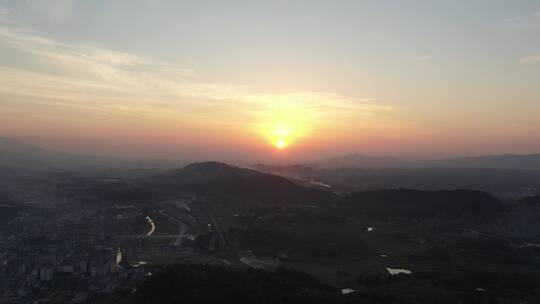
416 204
520 219
223 180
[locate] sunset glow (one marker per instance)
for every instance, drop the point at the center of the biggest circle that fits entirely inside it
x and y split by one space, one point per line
260 138
281 144
188 92
281 136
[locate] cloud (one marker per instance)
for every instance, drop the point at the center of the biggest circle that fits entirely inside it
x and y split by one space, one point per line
91 76
535 58
97 60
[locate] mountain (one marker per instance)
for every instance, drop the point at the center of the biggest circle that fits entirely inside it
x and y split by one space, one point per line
360 161
415 204
221 180
14 153
300 174
295 171
521 219
503 161
19 155
533 201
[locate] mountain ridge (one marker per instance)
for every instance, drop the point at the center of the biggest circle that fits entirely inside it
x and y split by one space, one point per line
18 154
529 161
409 203
224 180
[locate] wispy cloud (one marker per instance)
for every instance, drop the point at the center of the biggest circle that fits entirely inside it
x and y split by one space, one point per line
86 61
91 76
535 58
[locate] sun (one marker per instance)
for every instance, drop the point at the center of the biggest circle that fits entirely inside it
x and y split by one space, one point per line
281 136
281 143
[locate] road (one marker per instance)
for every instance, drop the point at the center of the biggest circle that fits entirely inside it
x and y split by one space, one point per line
152 226
182 229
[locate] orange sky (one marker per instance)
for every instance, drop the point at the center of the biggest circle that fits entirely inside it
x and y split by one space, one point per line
316 79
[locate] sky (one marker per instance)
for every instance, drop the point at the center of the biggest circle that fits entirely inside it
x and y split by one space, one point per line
271 80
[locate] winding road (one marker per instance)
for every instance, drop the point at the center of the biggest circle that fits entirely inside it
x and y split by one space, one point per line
181 227
152 226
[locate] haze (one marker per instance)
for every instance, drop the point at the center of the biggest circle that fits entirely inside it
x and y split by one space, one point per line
271 80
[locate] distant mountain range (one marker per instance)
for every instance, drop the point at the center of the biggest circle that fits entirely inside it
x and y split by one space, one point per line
17 154
238 188
507 184
361 161
245 188
504 161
